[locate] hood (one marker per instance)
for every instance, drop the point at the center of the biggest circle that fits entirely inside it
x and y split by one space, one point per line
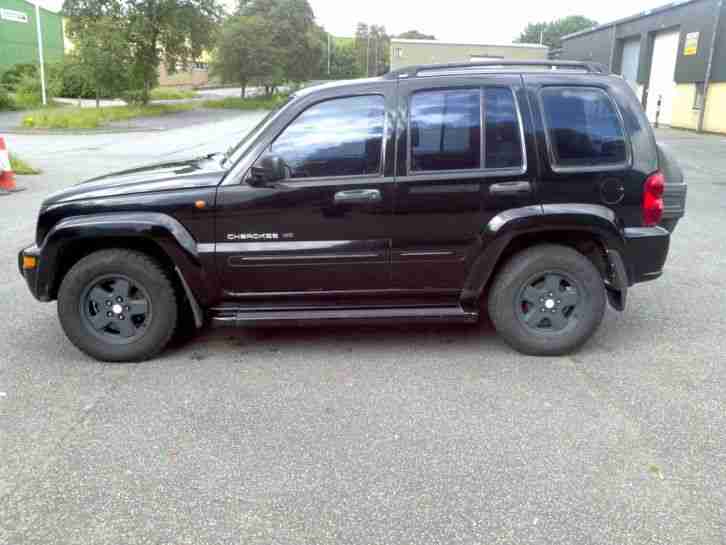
193 173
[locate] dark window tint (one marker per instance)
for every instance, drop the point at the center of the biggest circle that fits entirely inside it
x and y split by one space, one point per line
446 130
502 140
584 127
341 137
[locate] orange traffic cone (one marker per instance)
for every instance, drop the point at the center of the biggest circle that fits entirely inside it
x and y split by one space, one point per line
7 176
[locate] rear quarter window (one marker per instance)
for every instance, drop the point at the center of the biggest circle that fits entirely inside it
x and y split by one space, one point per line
584 128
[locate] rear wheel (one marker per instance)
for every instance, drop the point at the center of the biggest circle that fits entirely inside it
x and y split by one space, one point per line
118 305
547 300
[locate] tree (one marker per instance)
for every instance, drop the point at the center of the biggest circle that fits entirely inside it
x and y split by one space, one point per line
99 63
373 47
172 31
343 62
247 53
293 29
552 32
415 35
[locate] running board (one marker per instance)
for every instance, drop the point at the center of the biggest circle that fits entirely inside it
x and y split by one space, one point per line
315 317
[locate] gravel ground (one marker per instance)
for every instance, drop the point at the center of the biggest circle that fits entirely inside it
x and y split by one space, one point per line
420 435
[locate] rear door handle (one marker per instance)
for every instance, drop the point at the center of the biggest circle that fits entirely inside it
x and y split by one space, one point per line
358 196
510 188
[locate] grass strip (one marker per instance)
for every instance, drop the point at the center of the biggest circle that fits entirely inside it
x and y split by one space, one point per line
92 118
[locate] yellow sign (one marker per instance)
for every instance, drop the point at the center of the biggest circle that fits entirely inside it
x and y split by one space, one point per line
690 47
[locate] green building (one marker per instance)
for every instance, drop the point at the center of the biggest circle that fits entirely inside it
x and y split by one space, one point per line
18 36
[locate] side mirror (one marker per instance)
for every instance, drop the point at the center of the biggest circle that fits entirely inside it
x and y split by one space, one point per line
267 169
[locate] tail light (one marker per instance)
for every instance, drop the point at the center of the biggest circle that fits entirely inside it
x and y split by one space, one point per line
653 199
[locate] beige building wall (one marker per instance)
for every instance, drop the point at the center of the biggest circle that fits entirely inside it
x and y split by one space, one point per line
412 52
686 117
192 77
714 119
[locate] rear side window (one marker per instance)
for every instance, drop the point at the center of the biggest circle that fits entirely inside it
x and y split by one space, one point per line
339 137
445 130
584 127
502 141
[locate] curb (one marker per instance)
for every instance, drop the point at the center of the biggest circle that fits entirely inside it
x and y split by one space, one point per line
5 192
80 132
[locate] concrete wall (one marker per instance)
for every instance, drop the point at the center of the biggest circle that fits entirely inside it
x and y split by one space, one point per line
415 52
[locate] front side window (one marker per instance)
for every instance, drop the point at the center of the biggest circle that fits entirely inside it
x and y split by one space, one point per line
584 127
339 137
445 130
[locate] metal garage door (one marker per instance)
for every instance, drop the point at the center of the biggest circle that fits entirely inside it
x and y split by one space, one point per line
631 54
662 76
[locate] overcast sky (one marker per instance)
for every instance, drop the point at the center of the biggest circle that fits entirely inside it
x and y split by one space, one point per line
457 20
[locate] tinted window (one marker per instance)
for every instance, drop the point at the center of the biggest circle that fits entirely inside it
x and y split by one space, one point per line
341 137
502 140
446 130
584 127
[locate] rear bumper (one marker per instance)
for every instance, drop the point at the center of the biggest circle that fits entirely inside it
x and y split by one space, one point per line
32 275
674 205
646 250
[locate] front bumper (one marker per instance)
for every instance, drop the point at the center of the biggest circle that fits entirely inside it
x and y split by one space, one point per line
645 253
32 275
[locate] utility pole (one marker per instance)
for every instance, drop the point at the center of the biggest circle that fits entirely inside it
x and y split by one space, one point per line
39 31
328 54
709 66
368 55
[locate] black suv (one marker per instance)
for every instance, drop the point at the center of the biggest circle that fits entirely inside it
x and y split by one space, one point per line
537 187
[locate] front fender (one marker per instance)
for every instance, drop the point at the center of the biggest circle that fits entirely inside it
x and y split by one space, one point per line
507 226
160 229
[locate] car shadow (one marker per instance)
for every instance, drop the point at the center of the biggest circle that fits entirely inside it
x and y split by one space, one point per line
391 335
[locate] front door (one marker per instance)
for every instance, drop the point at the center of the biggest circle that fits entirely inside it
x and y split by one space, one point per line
323 227
461 161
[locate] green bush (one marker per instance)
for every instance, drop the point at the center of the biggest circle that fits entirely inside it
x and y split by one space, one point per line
11 78
74 82
133 97
6 101
28 91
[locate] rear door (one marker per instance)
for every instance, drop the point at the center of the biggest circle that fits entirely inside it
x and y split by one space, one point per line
462 158
586 153
323 228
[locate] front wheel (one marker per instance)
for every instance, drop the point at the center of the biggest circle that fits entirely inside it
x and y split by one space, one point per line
547 300
118 305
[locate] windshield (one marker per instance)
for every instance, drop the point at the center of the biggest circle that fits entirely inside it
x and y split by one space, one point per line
235 152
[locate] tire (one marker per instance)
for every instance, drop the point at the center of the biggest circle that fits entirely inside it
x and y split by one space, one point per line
526 321
148 315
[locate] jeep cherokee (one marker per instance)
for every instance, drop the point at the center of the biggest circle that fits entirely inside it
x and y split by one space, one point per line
532 190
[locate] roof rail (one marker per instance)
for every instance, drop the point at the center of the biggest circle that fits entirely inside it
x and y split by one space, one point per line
494 65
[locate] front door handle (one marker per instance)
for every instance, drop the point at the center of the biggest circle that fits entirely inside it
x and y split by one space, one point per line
358 196
504 189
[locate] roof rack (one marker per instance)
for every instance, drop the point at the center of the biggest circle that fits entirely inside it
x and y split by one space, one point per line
495 65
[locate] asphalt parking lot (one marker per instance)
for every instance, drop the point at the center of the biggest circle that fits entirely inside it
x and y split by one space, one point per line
420 435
